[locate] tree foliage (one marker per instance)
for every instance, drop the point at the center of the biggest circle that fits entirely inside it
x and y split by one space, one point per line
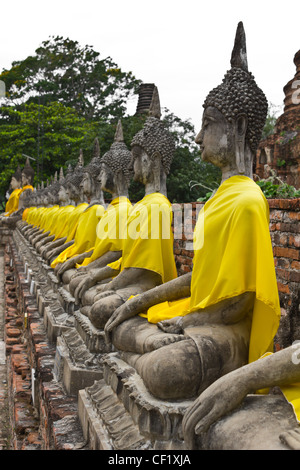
62 71
62 97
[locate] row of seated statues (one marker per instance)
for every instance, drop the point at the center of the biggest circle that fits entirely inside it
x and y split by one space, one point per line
206 335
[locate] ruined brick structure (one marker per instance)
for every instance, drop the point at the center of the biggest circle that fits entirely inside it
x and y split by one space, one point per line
281 150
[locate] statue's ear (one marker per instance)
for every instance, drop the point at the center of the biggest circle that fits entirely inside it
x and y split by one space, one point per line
240 140
118 179
156 165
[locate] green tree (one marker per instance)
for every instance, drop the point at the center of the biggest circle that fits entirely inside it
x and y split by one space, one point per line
270 121
190 178
62 134
63 71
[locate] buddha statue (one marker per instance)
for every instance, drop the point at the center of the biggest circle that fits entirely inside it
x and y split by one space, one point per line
27 180
27 175
33 216
114 178
61 219
84 239
51 202
227 394
147 260
184 334
12 204
71 190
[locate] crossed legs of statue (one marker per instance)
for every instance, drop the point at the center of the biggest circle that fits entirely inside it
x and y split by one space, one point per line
177 366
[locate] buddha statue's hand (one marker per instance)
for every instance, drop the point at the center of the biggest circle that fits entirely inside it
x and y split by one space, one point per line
121 314
102 295
291 438
69 264
173 325
103 288
220 398
80 271
87 282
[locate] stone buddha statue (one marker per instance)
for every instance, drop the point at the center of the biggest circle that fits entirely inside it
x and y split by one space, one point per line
85 235
61 219
184 334
20 197
114 178
146 261
27 180
73 192
12 204
51 202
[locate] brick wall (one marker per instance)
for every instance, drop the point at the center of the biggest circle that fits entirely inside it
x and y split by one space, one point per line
285 235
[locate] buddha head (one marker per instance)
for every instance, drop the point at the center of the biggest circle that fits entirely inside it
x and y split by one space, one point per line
116 170
234 116
53 193
29 199
16 179
73 181
152 149
27 174
62 193
89 183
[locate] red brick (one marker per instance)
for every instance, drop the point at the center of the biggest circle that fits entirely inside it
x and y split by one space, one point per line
295 265
295 276
284 288
283 274
294 215
286 252
294 240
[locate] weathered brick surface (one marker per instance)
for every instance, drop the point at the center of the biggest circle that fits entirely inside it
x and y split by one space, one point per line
34 421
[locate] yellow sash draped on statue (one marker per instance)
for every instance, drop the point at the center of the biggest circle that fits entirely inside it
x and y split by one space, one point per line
233 255
111 229
149 237
292 394
61 220
13 202
47 219
72 222
34 215
85 235
27 186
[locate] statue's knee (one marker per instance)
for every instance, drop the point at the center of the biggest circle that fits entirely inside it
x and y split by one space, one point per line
102 310
173 371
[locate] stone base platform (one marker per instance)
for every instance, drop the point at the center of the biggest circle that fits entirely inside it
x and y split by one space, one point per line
103 398
119 413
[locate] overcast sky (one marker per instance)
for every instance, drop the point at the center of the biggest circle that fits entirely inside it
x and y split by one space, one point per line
183 46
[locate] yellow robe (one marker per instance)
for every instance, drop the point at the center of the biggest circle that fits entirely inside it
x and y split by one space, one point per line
85 235
149 237
47 218
233 255
61 220
111 229
72 221
13 202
